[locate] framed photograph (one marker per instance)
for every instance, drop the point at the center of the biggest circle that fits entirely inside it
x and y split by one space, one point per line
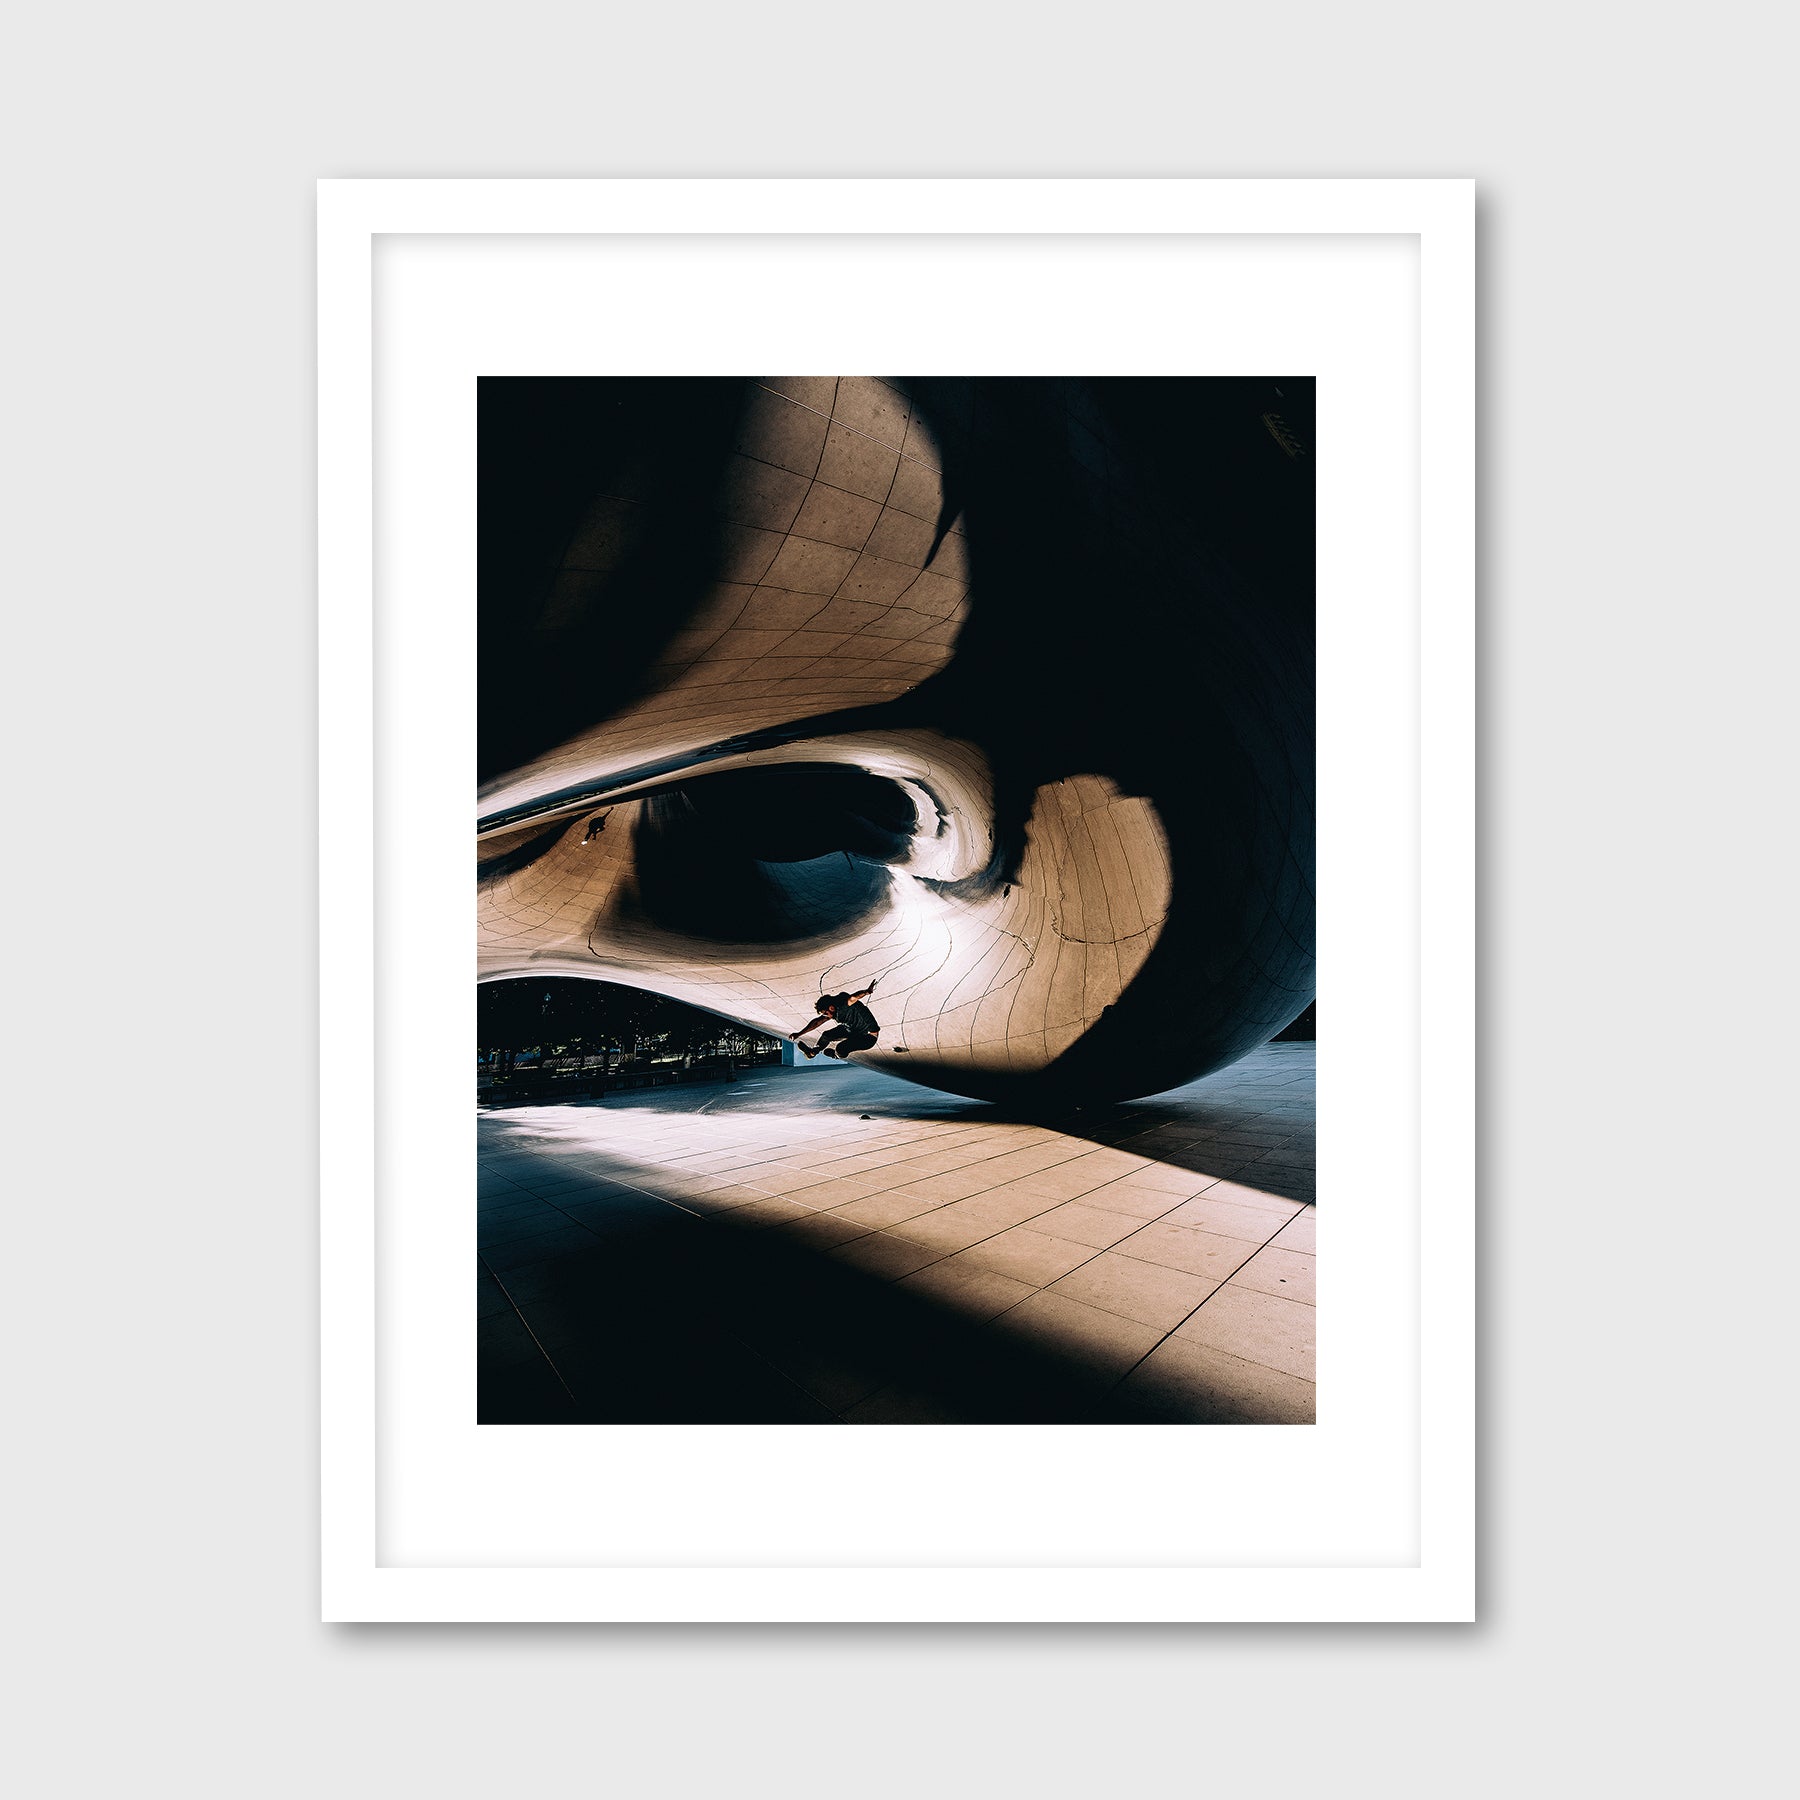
969 933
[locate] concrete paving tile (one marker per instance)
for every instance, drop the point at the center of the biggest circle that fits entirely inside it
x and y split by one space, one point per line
1195 1252
945 1230
838 1168
1183 1183
1033 1159
1086 1224
1288 1274
644 1220
1286 1161
1230 1169
821 1229
1304 1192
548 1186
1190 1383
1022 1188
1257 1327
958 1184
900 1405
885 1209
990 1152
751 1171
515 1176
881 1253
770 1209
799 1160
1144 1291
1112 1163
709 1162
722 1200
972 1292
773 1180
1027 1255
674 1187
1069 1180
530 1283
1229 1218
504 1342
833 1381
1132 1202
1245 1193
908 1161
488 1216
490 1297
923 1168
827 1194
998 1208
1300 1232
1286 1166
518 1252
1102 1342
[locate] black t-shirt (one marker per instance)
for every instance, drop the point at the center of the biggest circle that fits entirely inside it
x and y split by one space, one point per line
858 1018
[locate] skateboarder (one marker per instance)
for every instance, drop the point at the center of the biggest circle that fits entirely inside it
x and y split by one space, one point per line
855 1028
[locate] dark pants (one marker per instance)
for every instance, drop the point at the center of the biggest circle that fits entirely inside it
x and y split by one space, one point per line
840 1040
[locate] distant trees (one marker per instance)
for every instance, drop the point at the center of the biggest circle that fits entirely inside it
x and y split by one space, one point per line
561 1017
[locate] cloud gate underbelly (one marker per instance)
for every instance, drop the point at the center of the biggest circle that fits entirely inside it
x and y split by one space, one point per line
793 685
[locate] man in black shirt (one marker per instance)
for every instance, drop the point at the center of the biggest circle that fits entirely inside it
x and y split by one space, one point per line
855 1029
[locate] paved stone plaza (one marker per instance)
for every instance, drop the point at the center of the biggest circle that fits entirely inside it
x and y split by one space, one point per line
829 1245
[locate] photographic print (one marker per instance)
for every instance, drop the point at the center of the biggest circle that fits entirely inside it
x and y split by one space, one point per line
895 899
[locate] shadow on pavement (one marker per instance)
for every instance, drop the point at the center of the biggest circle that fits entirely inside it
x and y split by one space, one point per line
660 1317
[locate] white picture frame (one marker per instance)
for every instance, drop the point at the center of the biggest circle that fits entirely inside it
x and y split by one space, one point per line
1368 1515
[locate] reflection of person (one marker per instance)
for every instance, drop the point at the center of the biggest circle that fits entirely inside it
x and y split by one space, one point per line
855 1027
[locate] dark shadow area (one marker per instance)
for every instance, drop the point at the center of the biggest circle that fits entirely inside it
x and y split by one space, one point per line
598 535
1304 1029
636 1312
768 855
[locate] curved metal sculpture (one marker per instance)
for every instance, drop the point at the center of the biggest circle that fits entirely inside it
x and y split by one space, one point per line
996 692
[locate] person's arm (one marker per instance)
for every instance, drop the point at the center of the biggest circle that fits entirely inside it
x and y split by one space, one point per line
817 1019
865 993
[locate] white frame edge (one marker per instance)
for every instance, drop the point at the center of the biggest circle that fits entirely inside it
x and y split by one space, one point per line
1441 214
